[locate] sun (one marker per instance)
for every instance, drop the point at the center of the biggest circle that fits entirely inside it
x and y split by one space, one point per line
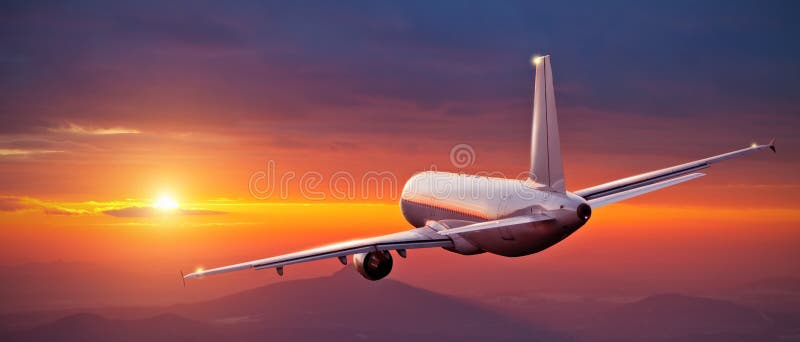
165 202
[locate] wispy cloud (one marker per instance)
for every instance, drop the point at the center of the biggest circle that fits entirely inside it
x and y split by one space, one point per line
125 209
76 129
11 152
14 203
137 211
62 211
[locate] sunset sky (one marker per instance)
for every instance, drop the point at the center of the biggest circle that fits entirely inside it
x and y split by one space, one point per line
107 109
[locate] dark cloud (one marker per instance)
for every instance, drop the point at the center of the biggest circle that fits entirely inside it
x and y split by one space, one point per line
287 77
196 32
151 212
94 61
130 212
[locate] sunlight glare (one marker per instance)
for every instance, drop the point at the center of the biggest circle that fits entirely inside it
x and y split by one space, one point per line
166 202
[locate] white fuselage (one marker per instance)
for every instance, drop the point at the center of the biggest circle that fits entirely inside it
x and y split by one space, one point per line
449 200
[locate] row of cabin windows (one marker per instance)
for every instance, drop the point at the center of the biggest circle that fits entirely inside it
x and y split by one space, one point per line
444 209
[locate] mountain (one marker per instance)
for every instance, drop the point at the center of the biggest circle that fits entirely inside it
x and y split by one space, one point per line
90 327
344 306
348 303
679 317
341 306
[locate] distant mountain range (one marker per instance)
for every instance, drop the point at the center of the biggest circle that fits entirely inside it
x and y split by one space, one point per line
340 307
677 317
345 307
91 327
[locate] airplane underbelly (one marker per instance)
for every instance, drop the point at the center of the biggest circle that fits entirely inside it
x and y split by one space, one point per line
527 238
514 241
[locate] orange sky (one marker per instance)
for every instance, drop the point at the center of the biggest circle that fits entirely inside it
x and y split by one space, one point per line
625 250
101 117
95 205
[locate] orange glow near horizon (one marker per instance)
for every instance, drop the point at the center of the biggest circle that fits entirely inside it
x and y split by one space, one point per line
627 241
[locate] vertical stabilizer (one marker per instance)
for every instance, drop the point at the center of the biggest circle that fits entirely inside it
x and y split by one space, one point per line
546 166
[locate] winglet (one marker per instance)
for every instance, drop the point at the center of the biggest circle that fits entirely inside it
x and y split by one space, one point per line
772 145
183 279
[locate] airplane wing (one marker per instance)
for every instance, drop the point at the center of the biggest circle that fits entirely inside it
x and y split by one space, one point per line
424 237
625 188
429 236
621 196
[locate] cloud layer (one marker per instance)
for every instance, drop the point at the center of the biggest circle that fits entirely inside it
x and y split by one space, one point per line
13 204
135 211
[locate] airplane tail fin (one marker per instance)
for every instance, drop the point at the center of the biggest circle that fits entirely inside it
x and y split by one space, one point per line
546 165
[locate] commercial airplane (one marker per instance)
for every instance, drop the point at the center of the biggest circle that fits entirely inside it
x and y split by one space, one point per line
468 214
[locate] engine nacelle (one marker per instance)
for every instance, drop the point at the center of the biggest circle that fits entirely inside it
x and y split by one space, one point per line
584 212
373 265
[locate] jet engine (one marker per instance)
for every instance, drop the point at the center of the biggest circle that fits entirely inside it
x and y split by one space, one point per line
584 212
373 265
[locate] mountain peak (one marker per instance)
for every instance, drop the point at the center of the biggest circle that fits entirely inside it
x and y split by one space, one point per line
82 318
346 271
381 308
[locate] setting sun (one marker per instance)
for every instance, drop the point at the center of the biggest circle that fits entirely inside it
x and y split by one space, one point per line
166 202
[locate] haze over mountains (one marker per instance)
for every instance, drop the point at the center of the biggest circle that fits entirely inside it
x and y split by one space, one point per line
341 306
345 307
